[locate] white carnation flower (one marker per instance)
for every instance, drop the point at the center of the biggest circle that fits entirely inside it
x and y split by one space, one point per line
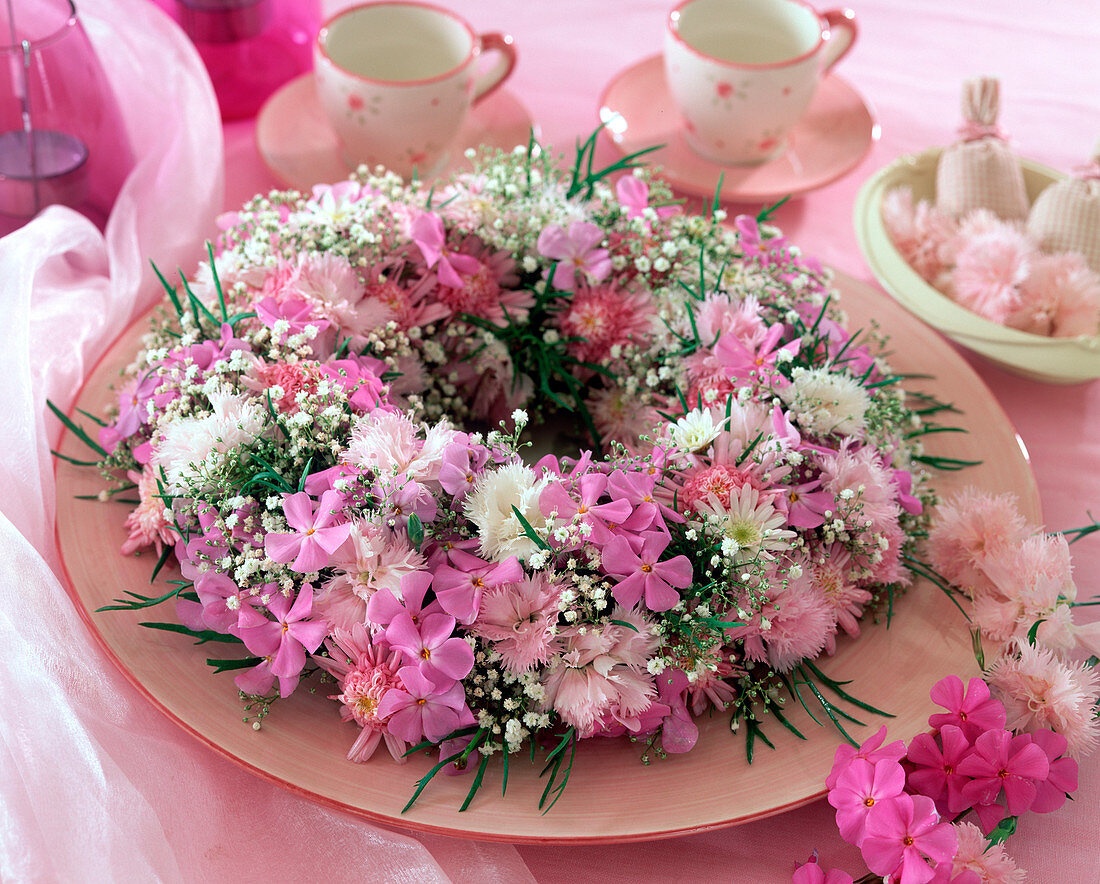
827 402
489 506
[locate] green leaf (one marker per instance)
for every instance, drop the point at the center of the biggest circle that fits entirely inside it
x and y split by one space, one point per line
624 623
416 531
529 531
138 601
202 635
1034 631
834 686
478 777
76 431
235 663
217 282
171 291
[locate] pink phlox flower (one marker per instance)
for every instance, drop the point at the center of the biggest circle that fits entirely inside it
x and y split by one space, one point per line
401 496
784 432
642 573
1001 762
325 480
679 733
432 645
806 505
901 833
583 507
871 750
490 290
421 708
633 195
903 483
366 669
315 537
637 487
225 606
810 872
519 619
973 710
859 788
362 386
208 544
284 641
936 773
132 410
461 464
429 235
384 606
741 361
1061 779
577 253
335 201
753 243
297 314
459 586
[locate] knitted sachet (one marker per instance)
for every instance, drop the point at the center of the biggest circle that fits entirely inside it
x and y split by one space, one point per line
980 171
1066 215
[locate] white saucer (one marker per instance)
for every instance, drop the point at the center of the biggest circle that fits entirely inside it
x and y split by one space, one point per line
831 139
299 147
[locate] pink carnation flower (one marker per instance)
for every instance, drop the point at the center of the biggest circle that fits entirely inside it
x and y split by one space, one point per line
1060 296
922 234
603 317
989 270
151 523
970 530
1040 691
989 862
517 618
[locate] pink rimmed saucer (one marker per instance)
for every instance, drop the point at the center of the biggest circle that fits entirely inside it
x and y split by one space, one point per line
834 136
299 147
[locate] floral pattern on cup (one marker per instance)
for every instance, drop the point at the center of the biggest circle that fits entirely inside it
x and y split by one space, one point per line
743 72
397 79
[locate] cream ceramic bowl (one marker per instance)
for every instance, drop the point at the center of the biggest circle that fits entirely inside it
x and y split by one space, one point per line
1053 360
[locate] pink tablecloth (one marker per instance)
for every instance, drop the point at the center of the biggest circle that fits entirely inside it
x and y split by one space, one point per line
95 785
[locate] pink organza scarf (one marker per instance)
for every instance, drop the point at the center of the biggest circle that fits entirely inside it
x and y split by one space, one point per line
95 785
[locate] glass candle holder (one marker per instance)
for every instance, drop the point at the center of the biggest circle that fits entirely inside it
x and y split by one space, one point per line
250 47
62 137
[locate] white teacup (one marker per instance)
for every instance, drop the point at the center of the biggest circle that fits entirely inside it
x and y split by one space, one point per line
743 72
397 79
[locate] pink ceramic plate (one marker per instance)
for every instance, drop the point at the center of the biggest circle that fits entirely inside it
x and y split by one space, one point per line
834 136
299 147
610 796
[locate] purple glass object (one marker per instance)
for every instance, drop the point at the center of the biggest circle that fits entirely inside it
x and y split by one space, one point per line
62 138
250 47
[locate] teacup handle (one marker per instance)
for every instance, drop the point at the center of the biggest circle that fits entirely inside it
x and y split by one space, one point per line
842 34
492 79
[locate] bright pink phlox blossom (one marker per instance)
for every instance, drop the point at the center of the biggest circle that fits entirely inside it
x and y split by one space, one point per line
743 362
404 497
428 234
584 502
315 537
208 543
937 768
901 833
871 751
460 465
132 411
812 873
633 195
805 505
1001 761
784 430
431 643
679 733
287 638
576 252
297 314
642 573
1062 777
637 489
861 787
974 710
225 606
903 482
362 386
318 483
384 606
422 709
576 468
752 243
459 586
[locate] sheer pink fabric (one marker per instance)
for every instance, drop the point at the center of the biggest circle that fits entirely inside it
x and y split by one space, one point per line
96 786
